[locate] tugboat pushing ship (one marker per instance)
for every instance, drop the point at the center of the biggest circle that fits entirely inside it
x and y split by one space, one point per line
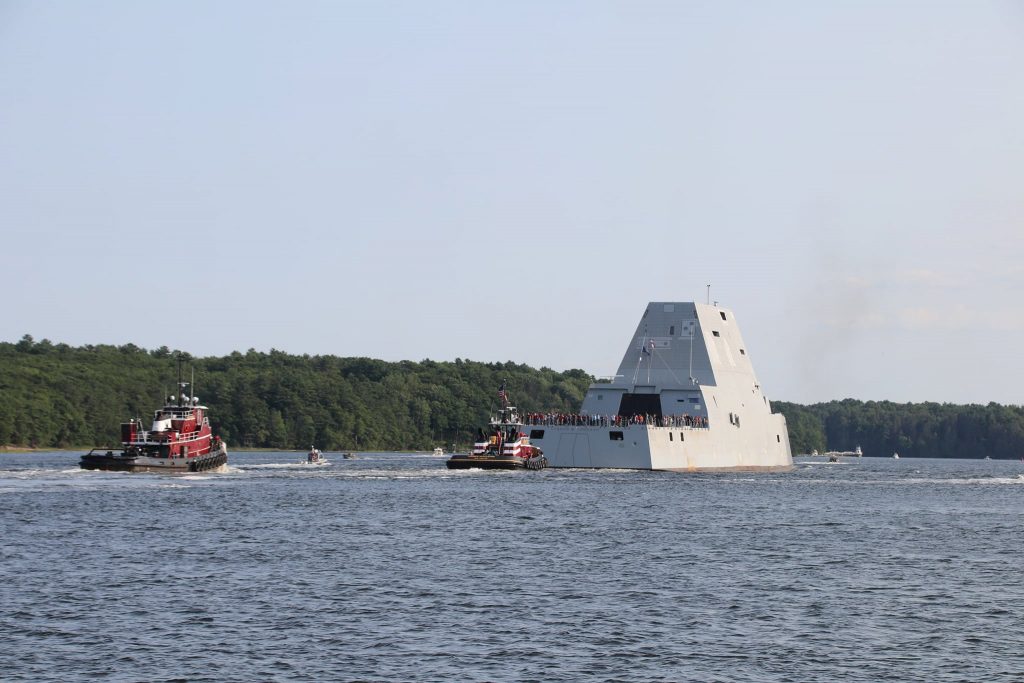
504 446
685 398
179 440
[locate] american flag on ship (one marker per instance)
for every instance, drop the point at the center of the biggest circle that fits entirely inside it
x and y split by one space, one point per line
502 394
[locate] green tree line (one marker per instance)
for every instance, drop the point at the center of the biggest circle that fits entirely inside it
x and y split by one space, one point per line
923 430
58 396
55 395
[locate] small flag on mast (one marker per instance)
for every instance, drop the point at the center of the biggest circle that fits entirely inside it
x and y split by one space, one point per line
502 394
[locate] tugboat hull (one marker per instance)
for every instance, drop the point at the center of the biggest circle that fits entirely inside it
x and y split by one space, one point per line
124 462
485 462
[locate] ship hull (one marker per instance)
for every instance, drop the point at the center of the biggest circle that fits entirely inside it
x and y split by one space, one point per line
676 449
122 462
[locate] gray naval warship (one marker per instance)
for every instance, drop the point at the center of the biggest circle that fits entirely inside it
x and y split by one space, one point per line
685 398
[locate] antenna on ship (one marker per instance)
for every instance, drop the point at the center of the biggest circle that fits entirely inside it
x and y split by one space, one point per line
649 346
180 388
709 295
693 330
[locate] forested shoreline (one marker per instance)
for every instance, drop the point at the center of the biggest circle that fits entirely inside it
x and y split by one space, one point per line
58 396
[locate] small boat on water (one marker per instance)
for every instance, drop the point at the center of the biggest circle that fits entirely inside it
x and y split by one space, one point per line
315 456
833 456
895 456
438 452
503 446
179 440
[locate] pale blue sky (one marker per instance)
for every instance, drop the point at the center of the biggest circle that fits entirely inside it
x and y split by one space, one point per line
397 180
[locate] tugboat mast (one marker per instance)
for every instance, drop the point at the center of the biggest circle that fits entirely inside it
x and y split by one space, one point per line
182 385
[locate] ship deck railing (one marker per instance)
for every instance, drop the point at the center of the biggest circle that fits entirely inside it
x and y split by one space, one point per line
143 438
669 421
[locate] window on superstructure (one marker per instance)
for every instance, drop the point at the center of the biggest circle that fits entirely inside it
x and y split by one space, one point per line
716 333
615 436
722 313
536 433
742 352
672 331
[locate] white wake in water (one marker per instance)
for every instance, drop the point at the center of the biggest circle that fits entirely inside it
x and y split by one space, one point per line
278 466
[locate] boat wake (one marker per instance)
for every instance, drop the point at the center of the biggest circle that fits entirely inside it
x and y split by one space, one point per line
296 466
424 473
276 466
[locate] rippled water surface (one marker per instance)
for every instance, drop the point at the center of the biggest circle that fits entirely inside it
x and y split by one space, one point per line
391 568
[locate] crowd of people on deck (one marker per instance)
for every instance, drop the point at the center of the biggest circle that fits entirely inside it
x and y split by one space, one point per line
576 420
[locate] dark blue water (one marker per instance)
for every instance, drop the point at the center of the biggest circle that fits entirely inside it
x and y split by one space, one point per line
391 568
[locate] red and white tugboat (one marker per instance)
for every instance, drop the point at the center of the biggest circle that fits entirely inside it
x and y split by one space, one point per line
503 446
179 440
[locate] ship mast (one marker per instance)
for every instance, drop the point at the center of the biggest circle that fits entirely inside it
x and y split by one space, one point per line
182 384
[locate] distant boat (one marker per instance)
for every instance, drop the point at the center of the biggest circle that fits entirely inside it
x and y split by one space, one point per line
438 451
895 456
856 453
315 457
